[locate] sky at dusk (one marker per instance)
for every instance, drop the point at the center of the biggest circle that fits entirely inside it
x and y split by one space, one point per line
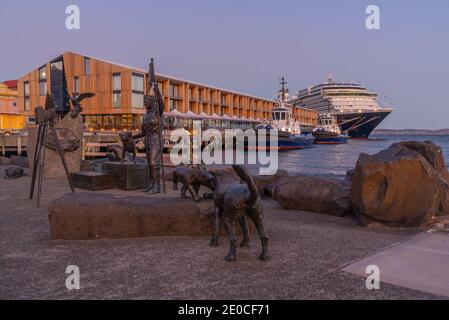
246 45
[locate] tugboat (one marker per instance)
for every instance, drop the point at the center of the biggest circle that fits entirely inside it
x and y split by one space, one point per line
328 132
288 128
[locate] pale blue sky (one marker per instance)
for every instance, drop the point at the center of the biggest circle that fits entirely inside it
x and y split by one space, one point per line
246 45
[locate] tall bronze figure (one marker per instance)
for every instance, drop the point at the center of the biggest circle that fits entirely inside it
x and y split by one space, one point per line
152 126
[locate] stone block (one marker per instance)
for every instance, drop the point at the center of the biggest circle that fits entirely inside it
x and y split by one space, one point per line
128 176
82 216
93 180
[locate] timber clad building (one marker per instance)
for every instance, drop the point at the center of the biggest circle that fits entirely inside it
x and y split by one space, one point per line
10 117
119 90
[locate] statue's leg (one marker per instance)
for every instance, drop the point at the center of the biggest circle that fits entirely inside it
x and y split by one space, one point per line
155 169
229 225
258 220
244 225
150 177
217 219
183 191
192 192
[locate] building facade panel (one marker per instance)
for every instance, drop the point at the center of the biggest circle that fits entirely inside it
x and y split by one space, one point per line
119 94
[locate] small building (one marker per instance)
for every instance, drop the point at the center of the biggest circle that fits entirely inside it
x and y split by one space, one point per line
119 89
11 119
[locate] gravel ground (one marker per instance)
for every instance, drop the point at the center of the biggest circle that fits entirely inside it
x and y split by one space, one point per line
308 252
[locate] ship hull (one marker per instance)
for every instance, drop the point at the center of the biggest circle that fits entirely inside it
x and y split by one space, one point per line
360 125
330 139
290 142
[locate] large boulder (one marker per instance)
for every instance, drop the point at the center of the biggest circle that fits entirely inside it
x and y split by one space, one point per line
265 184
404 185
310 193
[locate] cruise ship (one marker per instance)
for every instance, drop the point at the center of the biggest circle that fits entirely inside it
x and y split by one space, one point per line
357 110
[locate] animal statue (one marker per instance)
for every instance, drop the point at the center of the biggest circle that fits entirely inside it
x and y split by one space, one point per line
129 145
76 100
192 178
235 201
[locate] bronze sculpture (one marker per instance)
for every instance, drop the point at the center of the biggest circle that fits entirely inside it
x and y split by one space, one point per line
233 202
152 132
76 102
129 146
192 178
45 119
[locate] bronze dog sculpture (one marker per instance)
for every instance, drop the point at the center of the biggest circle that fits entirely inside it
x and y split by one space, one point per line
129 145
192 178
234 202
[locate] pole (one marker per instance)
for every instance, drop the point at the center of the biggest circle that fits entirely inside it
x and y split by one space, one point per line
61 155
36 160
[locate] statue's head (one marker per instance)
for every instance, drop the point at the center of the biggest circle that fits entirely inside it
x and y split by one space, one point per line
149 102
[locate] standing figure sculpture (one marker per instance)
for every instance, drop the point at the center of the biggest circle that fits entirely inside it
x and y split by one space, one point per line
152 126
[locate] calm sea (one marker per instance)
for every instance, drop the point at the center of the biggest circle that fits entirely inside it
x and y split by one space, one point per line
335 160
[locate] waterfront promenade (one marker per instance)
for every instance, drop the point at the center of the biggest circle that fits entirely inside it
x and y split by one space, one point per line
309 251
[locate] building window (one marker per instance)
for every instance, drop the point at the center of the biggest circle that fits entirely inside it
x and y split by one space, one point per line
137 87
86 66
116 90
76 85
174 104
26 95
174 91
42 82
42 87
42 74
223 99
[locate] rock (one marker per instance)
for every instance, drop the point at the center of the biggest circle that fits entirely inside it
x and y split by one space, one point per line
265 184
4 161
19 161
406 185
53 164
81 216
13 172
310 193
68 140
349 175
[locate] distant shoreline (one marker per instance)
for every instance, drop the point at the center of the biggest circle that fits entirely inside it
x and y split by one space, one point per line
416 132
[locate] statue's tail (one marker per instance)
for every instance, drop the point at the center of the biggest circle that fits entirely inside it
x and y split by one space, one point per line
244 174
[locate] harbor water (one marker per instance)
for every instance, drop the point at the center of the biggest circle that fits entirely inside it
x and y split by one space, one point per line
335 160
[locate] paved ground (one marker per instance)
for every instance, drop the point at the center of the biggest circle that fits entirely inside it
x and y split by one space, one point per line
421 263
308 251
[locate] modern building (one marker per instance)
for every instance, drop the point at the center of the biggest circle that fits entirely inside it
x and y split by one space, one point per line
119 89
10 117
